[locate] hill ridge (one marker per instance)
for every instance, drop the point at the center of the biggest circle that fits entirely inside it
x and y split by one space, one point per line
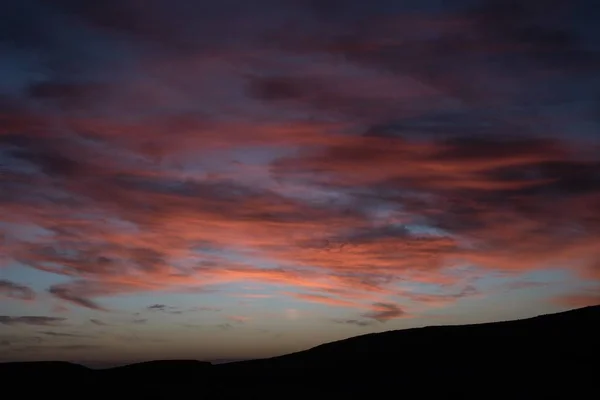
535 357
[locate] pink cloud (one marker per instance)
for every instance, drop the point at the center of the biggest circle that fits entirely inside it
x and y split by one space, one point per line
360 255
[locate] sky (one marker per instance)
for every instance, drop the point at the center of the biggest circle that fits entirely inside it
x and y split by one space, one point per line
222 180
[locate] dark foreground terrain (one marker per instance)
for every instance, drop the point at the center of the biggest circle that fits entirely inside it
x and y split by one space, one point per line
550 356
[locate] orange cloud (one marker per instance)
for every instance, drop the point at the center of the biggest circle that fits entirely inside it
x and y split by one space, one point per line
178 221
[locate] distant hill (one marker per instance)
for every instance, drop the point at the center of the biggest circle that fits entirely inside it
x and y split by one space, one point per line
539 355
549 355
157 370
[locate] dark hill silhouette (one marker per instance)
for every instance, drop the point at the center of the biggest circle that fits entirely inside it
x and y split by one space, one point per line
157 371
498 338
43 368
536 355
549 355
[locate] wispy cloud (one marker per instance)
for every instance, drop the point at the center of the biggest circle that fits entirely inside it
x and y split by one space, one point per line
383 312
255 295
586 298
62 334
157 307
323 299
240 319
15 291
31 320
10 342
441 299
357 322
165 308
205 308
76 347
225 326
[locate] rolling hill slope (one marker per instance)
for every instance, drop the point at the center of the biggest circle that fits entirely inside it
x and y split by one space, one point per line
549 355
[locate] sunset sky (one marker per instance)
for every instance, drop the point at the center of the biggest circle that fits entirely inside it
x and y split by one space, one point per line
239 179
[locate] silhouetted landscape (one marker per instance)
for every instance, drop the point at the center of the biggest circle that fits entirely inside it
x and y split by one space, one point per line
554 354
196 193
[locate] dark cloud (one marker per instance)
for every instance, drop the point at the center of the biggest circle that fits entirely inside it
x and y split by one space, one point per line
204 308
72 295
31 320
357 322
77 346
164 308
98 322
17 342
16 291
56 156
62 334
278 88
68 96
524 285
385 311
442 299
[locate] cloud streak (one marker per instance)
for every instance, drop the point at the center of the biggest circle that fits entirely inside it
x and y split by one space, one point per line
31 320
16 291
385 311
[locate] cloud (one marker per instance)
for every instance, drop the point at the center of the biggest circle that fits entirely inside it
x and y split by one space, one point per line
62 334
31 320
240 319
357 322
384 312
74 293
15 291
441 300
518 285
98 322
322 299
583 299
10 342
337 164
226 326
466 189
205 308
76 347
164 308
255 296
